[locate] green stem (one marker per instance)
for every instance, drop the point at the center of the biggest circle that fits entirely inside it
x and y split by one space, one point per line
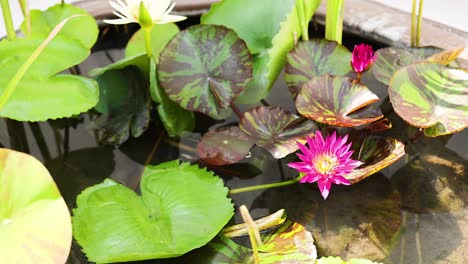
263 186
301 13
413 24
149 50
420 17
11 34
27 18
334 20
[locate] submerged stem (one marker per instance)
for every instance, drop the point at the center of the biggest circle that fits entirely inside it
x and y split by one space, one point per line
11 34
263 186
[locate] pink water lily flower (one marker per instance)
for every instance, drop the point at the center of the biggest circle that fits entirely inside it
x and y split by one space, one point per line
363 57
325 161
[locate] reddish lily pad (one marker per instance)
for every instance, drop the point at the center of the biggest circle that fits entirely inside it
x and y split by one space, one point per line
35 224
376 153
431 96
389 60
276 130
314 58
338 101
204 68
224 146
445 57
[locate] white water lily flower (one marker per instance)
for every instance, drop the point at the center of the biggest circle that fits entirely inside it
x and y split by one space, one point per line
128 11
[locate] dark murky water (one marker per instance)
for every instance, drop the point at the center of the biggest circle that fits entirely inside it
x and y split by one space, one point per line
414 211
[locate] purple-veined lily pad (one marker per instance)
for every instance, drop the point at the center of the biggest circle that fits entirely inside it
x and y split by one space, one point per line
204 68
379 125
376 153
338 101
431 96
314 58
35 224
389 60
224 146
276 130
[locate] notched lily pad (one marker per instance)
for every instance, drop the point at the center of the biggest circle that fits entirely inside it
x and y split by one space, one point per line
431 96
376 153
204 68
276 130
276 22
224 146
338 101
113 224
389 60
41 92
34 219
314 58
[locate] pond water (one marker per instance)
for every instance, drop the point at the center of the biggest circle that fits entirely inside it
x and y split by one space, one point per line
414 211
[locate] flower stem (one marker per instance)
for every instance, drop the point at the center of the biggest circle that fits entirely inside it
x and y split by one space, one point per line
149 49
413 24
236 110
420 17
11 34
263 186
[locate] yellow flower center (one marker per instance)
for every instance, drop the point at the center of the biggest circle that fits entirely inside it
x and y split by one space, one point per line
325 164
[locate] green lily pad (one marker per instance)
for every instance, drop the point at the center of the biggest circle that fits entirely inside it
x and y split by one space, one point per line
291 243
314 58
224 146
431 96
124 100
175 119
204 68
41 93
161 34
34 219
182 207
389 60
268 28
338 101
376 153
276 130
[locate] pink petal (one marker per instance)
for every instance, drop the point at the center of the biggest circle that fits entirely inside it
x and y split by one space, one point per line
324 186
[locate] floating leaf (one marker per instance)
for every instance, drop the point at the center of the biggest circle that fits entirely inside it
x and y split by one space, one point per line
204 68
431 96
314 58
161 34
291 243
268 28
389 60
376 153
124 100
224 146
276 130
175 119
40 92
182 207
34 219
445 57
338 101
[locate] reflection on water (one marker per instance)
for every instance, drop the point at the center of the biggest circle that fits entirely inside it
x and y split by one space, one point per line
412 212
